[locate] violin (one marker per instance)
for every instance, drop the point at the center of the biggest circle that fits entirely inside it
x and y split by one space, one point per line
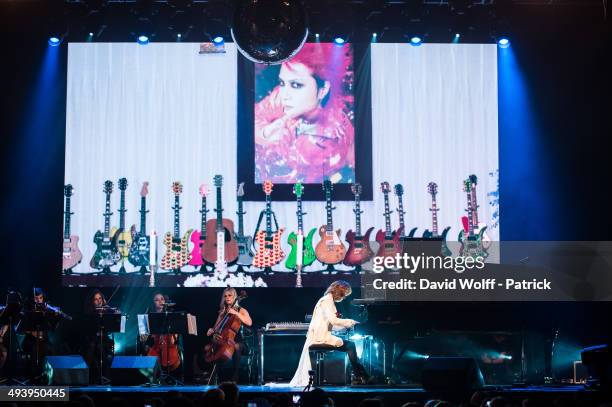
223 344
46 307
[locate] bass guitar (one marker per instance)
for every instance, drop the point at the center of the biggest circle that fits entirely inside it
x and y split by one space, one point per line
140 250
220 247
388 240
473 239
432 188
198 237
177 253
330 249
245 243
124 237
399 192
269 251
302 253
71 255
106 254
359 250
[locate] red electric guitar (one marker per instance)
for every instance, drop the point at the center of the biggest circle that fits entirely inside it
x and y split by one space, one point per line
269 251
388 239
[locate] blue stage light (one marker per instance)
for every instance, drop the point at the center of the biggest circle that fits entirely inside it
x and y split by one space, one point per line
179 36
503 42
317 35
143 39
416 40
218 40
457 35
54 41
339 40
91 34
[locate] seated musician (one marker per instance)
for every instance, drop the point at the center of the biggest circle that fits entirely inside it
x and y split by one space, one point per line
92 344
228 298
36 344
324 318
166 347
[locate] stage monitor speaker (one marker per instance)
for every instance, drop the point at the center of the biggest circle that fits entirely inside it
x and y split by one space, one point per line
280 356
134 370
67 370
334 369
451 375
598 361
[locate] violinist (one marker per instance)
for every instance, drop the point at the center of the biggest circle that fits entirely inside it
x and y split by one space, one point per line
229 307
166 347
96 347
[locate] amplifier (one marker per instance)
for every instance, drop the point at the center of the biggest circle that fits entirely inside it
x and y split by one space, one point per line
279 355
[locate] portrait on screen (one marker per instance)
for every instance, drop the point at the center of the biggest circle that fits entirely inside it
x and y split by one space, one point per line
304 117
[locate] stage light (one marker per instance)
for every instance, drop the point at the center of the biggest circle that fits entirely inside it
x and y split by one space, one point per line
374 35
457 35
91 34
356 336
317 35
54 41
143 40
218 40
503 42
339 40
416 41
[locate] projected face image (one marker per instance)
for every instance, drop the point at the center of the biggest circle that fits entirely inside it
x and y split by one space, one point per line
304 117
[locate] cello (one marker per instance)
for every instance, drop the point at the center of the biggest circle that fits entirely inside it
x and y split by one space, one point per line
222 346
165 347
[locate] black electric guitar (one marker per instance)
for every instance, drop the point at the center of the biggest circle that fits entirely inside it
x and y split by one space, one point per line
124 236
140 250
432 188
106 254
399 192
245 243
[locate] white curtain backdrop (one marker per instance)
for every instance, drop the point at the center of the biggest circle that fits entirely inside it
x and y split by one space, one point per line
162 112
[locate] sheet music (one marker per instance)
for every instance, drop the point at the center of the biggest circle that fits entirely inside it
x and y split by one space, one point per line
143 324
123 322
192 326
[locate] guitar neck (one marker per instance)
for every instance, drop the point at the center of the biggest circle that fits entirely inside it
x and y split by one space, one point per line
67 214
203 211
401 212
434 216
240 214
143 216
328 209
268 215
387 214
177 219
469 212
300 214
107 215
219 210
122 210
358 213
474 207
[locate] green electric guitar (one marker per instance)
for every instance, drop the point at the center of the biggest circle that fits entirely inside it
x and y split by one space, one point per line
302 254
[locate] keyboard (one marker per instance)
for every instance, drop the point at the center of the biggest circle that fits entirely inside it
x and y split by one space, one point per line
286 326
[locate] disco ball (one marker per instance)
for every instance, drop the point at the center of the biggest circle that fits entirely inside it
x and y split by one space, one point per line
269 31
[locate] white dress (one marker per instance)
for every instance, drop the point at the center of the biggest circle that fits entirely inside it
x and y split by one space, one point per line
324 319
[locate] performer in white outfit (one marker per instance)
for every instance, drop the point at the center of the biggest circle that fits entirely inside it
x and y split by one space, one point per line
324 319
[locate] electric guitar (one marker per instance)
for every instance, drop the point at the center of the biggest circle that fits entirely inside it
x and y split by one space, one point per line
473 239
399 192
330 249
220 247
432 188
388 240
359 250
198 237
71 255
245 243
140 250
269 251
124 237
302 253
106 254
177 252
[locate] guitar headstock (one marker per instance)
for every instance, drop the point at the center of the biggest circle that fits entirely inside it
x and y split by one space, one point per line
240 191
108 187
399 189
385 187
267 187
68 190
473 179
144 191
327 186
177 188
356 189
467 185
298 189
218 180
432 188
203 190
122 184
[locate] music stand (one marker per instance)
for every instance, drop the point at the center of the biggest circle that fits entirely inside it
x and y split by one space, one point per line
109 322
11 315
37 321
168 323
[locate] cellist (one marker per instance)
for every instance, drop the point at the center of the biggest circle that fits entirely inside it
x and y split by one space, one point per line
166 347
227 307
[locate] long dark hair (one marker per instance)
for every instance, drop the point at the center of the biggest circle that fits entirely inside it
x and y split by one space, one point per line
89 307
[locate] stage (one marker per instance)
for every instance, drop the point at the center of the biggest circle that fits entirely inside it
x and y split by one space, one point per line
349 396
